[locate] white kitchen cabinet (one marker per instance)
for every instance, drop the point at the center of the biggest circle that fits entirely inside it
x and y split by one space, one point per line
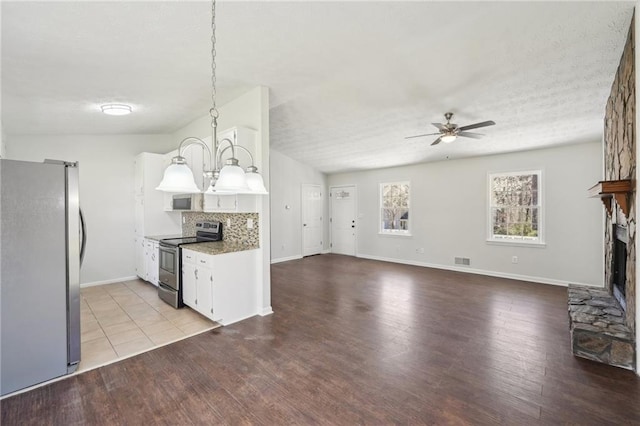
141 267
220 203
204 289
196 284
221 287
151 261
147 262
240 203
189 285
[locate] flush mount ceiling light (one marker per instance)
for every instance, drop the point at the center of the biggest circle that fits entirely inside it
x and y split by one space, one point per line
116 109
227 179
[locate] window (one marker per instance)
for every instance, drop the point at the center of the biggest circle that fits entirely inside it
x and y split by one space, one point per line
394 208
515 201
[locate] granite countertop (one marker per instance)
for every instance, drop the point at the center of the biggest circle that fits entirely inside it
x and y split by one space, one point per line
162 237
219 247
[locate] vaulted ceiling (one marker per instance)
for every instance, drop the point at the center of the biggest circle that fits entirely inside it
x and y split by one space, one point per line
348 80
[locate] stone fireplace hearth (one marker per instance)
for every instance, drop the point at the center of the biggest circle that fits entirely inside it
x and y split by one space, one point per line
598 330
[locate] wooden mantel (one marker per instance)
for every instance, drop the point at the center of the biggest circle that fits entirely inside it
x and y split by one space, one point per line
607 190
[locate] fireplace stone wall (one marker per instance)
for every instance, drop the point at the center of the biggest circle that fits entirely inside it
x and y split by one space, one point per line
620 163
601 330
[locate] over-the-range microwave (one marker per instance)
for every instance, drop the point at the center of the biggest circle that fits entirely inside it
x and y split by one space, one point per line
187 202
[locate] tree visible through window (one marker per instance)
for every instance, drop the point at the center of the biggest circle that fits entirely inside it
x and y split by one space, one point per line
394 205
515 200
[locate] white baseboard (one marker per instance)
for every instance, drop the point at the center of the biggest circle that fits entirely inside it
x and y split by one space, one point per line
325 251
265 311
285 259
115 280
518 277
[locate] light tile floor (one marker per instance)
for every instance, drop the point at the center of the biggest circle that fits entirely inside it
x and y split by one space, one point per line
122 319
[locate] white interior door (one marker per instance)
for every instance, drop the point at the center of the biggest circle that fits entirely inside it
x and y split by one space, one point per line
343 220
311 219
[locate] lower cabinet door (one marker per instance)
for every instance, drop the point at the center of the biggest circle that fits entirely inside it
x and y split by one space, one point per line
205 282
140 258
189 285
154 264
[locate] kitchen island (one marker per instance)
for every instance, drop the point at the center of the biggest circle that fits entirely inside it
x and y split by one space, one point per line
219 280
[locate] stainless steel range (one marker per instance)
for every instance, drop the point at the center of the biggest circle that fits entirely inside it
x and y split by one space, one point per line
170 264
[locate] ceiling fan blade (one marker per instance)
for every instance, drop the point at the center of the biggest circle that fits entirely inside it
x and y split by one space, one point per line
440 126
436 142
475 126
470 135
419 136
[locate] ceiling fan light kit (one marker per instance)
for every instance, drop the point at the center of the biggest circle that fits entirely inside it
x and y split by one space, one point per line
449 132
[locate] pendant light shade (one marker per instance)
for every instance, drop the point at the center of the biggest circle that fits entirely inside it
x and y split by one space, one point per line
232 179
254 181
178 178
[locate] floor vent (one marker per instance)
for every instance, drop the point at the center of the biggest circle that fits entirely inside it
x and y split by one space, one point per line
463 261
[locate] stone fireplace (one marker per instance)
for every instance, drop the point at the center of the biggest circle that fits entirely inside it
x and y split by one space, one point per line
602 320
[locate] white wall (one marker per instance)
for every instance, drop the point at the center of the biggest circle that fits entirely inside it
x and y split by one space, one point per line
287 178
3 147
106 191
449 216
249 110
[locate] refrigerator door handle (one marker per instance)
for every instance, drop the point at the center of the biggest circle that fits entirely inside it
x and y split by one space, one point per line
83 233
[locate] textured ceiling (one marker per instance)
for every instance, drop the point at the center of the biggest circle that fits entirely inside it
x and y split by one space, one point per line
348 80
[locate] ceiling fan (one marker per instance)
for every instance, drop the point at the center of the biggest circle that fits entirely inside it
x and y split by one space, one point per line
449 132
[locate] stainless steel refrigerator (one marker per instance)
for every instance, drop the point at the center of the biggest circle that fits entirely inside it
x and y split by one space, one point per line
41 245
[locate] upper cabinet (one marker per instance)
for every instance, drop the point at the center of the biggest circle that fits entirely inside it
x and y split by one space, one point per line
242 203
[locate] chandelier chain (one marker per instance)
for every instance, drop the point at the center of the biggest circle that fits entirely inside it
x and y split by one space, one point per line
214 110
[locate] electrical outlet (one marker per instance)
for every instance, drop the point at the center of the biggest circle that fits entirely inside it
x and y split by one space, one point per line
184 220
228 222
514 259
249 223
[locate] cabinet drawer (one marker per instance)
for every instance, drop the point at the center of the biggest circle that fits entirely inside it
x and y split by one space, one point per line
188 257
204 260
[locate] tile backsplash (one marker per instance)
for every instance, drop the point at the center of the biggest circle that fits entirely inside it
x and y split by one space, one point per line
238 232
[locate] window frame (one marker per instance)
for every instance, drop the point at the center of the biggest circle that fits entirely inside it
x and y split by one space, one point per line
515 241
393 232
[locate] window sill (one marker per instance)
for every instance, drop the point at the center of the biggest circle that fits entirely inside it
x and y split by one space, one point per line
390 234
517 243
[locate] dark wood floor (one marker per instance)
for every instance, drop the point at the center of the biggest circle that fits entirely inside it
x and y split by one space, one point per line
359 341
